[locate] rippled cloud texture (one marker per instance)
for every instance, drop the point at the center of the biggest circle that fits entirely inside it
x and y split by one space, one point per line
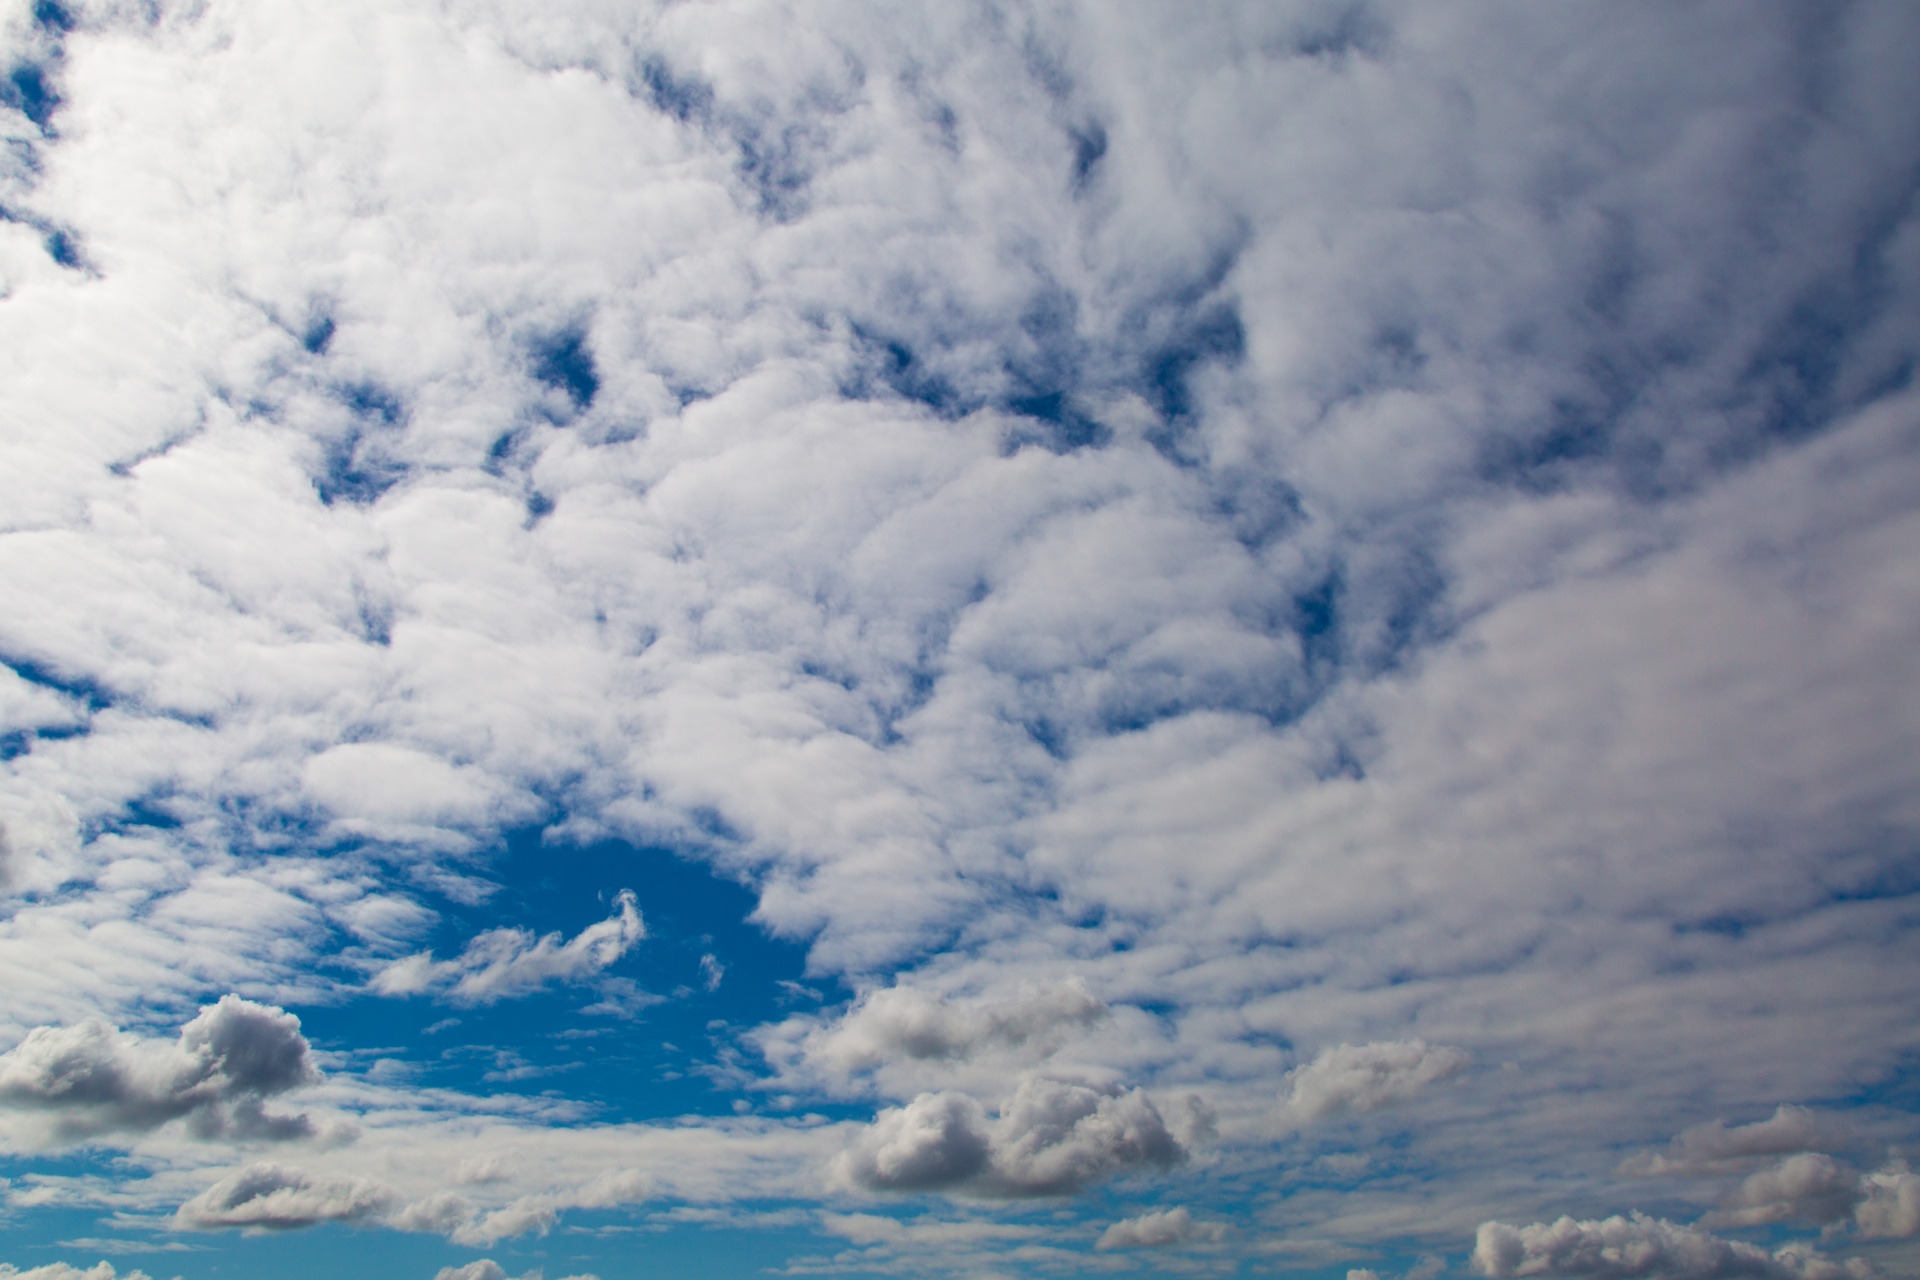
1295 628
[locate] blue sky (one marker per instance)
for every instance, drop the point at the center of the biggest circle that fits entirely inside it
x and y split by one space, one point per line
998 639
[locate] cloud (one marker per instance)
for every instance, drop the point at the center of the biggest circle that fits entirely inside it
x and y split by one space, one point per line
488 1269
1809 1187
1890 1203
503 964
89 1080
1638 1246
1159 1229
897 1024
1051 1137
67 1271
1332 521
1367 1077
273 1197
1716 1148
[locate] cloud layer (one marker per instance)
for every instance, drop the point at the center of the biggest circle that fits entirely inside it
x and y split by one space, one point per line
1302 609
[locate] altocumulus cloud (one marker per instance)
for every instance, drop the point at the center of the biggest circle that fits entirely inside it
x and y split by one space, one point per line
1303 611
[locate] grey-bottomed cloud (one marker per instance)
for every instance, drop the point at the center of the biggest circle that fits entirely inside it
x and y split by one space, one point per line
1637 1247
276 1197
89 1080
1051 1137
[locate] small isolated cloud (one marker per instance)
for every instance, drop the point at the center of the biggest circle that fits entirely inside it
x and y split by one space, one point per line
1634 1247
1367 1077
1052 1137
1159 1230
503 963
67 1271
711 971
1716 1147
273 1197
91 1080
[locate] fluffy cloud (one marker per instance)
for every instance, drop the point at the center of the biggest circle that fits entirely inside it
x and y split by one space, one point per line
273 1197
67 1271
1051 1137
1809 1187
1366 1077
89 1080
1890 1203
1627 1248
1158 1230
902 1040
502 964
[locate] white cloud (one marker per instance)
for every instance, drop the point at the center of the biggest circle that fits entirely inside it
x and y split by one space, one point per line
502 964
67 1271
1159 1229
274 1197
1637 1246
1367 1077
903 1039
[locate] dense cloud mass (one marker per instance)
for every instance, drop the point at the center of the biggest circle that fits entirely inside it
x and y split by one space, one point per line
1303 611
1052 1137
69 1084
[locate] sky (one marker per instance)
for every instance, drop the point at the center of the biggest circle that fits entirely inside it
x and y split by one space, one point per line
1003 638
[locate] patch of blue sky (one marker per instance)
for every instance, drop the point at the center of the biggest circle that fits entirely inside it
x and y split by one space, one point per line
645 1039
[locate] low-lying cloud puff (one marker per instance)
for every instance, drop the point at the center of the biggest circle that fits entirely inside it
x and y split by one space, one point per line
90 1080
273 1197
67 1271
503 963
1629 1248
1052 1137
1717 1148
488 1269
1367 1077
1158 1230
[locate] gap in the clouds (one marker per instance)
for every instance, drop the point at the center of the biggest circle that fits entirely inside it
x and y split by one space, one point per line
28 90
1089 149
563 361
90 694
352 470
665 1039
318 335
